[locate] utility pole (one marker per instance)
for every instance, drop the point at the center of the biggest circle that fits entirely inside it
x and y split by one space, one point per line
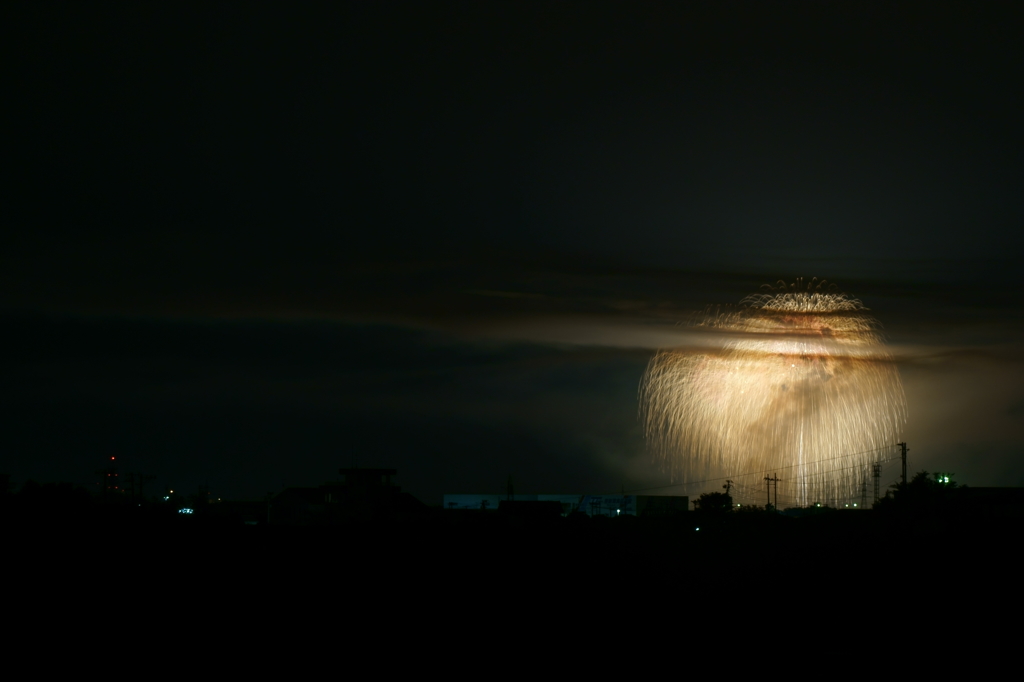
728 485
903 455
137 486
876 473
864 493
143 478
768 489
109 484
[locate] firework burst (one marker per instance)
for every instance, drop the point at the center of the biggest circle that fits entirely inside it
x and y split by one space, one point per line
802 386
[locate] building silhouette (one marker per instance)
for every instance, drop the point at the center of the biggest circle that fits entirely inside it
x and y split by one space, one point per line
360 495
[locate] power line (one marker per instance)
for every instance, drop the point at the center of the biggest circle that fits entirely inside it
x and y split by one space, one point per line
761 472
828 471
753 494
756 490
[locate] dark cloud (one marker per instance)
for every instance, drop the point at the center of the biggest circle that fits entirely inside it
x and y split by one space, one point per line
455 401
247 243
246 406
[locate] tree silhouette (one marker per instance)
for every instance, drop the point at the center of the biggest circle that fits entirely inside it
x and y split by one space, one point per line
924 492
714 503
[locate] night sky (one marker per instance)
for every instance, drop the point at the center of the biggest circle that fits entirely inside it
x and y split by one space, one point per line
247 244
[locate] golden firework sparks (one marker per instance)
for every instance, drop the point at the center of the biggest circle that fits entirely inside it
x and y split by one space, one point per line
802 386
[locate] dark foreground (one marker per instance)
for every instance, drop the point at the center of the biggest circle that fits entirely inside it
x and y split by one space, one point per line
446 557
